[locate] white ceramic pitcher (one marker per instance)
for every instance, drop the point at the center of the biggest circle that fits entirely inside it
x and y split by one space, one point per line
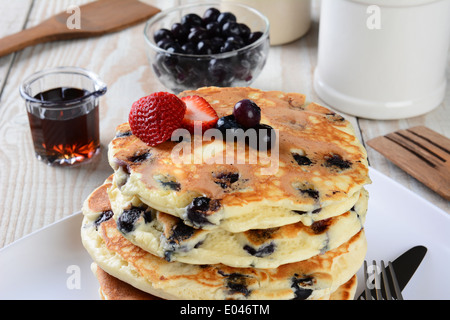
383 59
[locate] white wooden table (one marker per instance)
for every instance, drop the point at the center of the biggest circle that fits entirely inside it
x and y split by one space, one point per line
33 195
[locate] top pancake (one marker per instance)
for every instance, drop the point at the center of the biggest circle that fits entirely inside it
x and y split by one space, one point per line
318 166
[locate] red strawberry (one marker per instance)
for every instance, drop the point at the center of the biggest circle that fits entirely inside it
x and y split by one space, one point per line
154 118
198 109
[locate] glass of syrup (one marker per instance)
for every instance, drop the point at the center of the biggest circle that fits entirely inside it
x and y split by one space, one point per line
62 106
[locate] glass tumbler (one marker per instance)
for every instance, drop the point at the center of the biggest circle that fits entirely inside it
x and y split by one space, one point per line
62 106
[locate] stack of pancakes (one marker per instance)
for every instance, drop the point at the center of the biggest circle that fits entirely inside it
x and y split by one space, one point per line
286 226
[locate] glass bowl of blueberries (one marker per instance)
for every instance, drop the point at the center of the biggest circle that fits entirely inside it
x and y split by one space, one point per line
219 44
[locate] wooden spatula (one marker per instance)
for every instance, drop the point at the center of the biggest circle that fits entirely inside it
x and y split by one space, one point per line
422 153
96 18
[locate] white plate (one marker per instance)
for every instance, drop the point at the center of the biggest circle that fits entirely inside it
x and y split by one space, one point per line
48 264
52 263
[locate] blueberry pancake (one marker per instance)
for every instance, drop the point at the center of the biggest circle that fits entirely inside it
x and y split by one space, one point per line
314 278
168 237
315 170
214 216
112 288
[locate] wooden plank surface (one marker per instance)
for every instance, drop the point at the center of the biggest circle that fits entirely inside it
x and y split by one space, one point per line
33 195
12 22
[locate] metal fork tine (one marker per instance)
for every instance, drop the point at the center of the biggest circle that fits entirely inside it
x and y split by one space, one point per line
398 292
381 288
387 291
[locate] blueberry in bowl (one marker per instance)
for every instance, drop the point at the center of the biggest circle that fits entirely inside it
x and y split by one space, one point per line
207 44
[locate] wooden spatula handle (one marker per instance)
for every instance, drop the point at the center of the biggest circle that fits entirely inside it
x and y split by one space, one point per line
25 38
98 18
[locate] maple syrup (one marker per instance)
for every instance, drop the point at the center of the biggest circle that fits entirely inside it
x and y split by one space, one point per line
65 128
